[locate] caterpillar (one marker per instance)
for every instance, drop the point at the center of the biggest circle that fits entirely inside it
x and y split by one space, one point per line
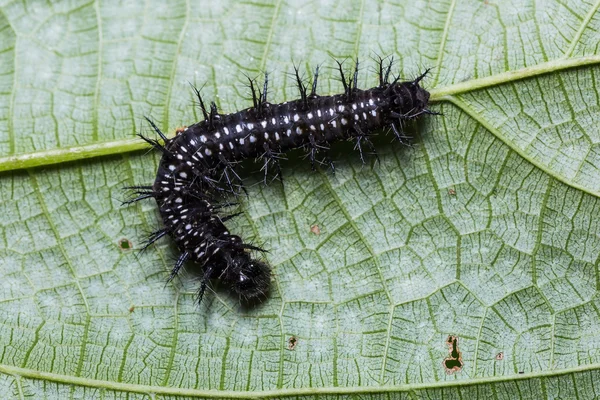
197 170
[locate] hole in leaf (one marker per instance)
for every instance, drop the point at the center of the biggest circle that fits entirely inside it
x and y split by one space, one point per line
125 245
453 363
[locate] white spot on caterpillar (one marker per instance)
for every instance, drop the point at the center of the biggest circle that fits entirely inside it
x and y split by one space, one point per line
288 132
207 152
296 117
266 136
274 121
322 127
318 113
333 123
340 108
178 200
183 175
250 126
179 157
276 136
238 128
188 227
371 102
356 117
331 111
192 142
171 168
344 121
309 115
264 124
364 115
184 149
354 106
362 105
242 141
203 139
220 146
226 130
299 131
286 119
252 139
231 145
374 113
312 128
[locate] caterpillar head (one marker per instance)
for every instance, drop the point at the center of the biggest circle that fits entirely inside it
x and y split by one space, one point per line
249 279
408 100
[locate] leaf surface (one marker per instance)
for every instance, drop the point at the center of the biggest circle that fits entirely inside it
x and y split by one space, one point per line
476 248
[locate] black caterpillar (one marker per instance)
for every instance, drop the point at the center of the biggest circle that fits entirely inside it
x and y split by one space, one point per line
197 169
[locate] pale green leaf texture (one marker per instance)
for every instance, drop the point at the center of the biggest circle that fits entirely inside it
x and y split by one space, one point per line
486 229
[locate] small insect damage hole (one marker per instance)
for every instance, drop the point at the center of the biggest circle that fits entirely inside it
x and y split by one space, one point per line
125 245
500 356
131 309
292 342
453 363
315 229
452 192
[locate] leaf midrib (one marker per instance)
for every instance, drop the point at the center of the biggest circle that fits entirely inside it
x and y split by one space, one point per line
444 94
278 393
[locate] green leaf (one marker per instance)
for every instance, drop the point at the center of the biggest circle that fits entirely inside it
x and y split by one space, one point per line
477 247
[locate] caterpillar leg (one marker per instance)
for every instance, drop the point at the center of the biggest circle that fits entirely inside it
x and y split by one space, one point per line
363 139
399 135
271 157
233 180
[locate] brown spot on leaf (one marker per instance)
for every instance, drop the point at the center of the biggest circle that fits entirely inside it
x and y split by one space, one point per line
452 192
315 229
292 342
131 309
453 363
500 356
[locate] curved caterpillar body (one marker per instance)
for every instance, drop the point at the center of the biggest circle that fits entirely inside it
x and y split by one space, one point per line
197 168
